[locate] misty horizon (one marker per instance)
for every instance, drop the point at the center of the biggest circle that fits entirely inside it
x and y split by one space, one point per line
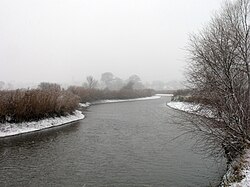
65 41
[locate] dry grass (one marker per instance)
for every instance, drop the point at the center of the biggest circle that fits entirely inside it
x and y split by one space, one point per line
34 104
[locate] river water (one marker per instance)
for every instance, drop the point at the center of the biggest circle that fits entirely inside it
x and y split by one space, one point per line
120 144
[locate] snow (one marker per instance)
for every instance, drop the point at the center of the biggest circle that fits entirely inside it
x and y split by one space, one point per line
10 129
183 106
243 164
84 105
165 95
126 100
191 108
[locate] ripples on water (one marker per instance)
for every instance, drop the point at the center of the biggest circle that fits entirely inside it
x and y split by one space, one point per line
121 144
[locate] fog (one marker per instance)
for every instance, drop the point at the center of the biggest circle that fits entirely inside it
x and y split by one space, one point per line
66 40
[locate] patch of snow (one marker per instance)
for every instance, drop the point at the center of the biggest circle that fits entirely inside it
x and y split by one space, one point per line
183 106
244 163
125 100
191 108
10 129
165 95
84 105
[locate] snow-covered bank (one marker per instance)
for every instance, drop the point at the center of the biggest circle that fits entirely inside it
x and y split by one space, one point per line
191 108
10 129
84 105
183 106
125 100
165 95
239 169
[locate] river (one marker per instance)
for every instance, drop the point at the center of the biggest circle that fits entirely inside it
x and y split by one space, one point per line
119 144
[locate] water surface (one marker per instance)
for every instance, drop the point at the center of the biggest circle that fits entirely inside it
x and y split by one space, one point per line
121 144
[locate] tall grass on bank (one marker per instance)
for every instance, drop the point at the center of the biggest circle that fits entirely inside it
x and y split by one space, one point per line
35 104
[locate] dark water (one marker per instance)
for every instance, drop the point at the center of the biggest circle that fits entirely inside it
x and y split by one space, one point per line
121 144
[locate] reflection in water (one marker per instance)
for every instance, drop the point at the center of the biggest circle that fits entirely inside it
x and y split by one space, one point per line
121 144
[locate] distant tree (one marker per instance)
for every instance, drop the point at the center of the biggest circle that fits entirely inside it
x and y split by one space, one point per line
128 86
10 86
116 84
1 85
158 85
137 81
91 82
49 86
134 78
107 78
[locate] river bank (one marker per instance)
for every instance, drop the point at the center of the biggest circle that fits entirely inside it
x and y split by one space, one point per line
11 129
238 173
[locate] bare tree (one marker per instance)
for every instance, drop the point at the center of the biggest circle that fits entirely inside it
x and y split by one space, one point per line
116 84
1 85
137 82
129 86
49 86
91 82
220 75
107 78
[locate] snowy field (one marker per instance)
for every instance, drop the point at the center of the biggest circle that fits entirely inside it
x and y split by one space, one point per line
10 129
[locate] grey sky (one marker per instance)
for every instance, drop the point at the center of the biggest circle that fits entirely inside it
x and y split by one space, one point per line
65 40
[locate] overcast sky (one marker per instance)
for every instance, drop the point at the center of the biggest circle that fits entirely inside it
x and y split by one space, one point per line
66 40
